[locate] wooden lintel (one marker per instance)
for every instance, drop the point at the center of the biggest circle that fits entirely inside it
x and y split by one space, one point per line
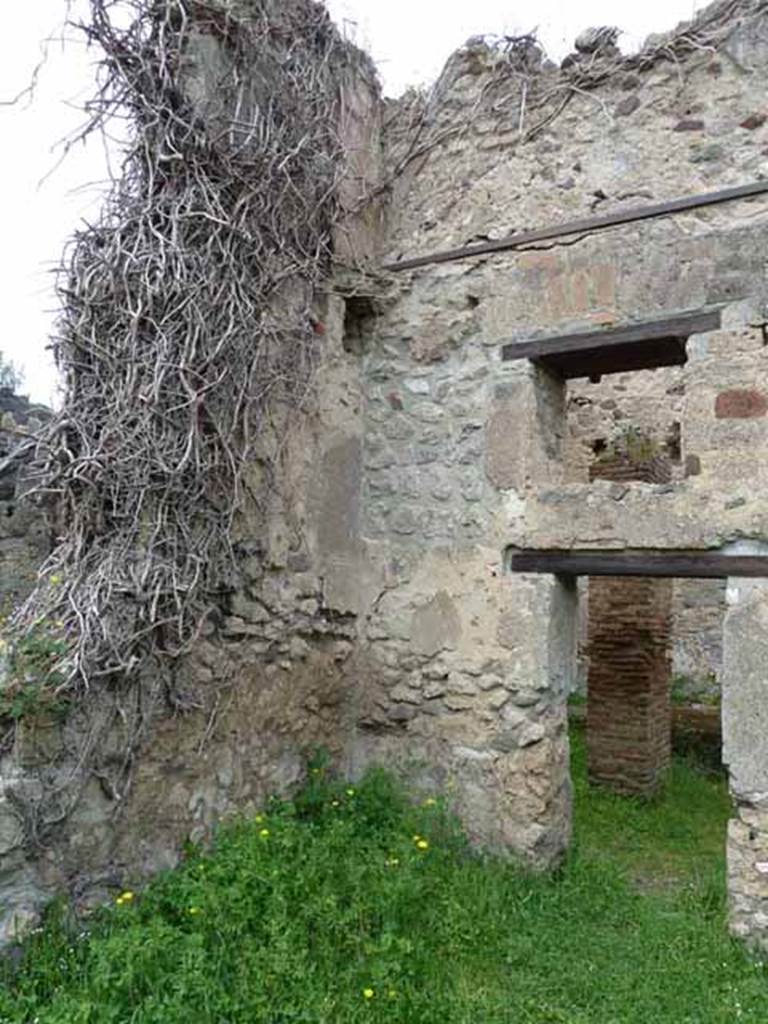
671 329
669 564
627 215
649 355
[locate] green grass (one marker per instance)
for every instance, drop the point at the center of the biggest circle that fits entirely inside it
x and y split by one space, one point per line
673 842
337 915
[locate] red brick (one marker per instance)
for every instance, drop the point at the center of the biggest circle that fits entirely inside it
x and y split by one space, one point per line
754 121
628 705
740 404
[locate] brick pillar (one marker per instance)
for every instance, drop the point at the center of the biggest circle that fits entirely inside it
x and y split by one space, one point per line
628 706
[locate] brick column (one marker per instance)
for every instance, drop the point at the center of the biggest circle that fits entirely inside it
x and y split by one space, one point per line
628 706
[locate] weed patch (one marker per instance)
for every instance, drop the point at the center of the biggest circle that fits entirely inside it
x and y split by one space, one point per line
350 904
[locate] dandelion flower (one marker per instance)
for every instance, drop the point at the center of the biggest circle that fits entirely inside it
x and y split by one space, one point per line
350 791
55 580
127 896
368 993
264 832
422 844
392 993
259 819
430 802
194 910
416 838
334 803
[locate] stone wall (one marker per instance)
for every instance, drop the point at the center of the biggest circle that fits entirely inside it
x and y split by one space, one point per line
276 674
447 421
24 535
372 612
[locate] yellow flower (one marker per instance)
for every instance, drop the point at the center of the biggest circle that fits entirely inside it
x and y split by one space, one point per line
315 771
392 993
430 802
55 580
416 838
194 910
422 844
264 833
392 862
350 791
334 803
368 993
127 896
259 818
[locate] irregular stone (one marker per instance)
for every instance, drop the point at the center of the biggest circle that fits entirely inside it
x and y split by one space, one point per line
458 703
532 733
689 124
434 689
707 154
462 685
754 121
627 106
436 625
594 40
401 713
11 829
498 699
403 694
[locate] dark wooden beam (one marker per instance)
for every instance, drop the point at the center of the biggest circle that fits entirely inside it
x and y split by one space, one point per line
628 215
593 354
617 359
671 329
675 564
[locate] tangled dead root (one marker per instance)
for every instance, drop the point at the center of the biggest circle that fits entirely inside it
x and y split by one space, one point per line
185 310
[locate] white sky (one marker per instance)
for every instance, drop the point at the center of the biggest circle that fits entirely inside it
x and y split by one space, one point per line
409 39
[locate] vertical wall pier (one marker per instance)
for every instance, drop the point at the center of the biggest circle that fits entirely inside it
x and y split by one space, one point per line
745 751
628 681
628 707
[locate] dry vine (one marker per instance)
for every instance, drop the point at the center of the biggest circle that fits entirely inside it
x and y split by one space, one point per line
185 310
522 94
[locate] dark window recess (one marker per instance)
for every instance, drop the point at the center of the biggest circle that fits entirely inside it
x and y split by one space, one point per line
359 317
673 443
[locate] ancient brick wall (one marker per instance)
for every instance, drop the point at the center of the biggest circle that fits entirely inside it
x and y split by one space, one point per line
628 689
628 707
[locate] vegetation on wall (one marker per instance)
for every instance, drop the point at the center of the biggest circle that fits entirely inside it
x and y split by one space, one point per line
187 319
525 94
186 309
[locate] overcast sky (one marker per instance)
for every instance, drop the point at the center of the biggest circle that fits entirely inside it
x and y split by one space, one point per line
41 203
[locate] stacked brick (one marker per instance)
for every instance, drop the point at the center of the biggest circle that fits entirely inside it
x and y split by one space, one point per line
628 703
